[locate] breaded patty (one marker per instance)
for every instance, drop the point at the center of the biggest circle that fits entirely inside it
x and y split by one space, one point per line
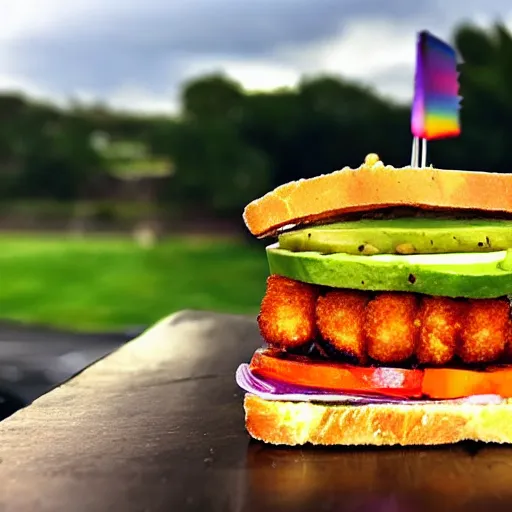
508 343
484 330
390 327
287 313
340 320
440 321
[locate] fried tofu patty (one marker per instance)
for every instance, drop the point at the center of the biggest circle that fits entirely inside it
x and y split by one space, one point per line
388 327
340 320
484 330
287 313
440 321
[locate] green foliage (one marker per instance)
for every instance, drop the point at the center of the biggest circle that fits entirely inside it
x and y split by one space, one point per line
486 85
212 97
216 169
128 159
475 45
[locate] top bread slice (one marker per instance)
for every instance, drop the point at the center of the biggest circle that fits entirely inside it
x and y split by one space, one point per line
375 186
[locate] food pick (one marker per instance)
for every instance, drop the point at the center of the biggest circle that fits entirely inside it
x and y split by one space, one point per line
436 103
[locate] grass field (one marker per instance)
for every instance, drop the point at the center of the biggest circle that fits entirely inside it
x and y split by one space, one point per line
108 283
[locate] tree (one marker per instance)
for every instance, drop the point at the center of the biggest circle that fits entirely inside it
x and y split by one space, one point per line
212 97
217 173
59 161
322 126
486 86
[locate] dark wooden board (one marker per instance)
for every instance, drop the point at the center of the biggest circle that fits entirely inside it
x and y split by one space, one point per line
159 426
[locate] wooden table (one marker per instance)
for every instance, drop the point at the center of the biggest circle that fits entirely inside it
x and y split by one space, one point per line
158 426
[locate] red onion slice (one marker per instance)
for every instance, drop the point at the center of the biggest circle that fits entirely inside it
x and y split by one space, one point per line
274 390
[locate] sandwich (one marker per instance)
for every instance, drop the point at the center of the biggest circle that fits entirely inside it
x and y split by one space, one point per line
386 316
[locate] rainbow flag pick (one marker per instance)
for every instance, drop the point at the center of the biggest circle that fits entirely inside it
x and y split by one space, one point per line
436 103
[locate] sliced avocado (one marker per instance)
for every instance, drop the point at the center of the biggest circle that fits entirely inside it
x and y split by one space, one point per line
470 275
402 236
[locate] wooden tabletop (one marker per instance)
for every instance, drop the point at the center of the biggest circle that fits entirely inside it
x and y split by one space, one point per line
158 426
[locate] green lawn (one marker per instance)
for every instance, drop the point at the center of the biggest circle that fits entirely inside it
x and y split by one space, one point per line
106 283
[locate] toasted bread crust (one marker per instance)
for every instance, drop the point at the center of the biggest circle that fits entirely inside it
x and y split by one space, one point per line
297 423
373 186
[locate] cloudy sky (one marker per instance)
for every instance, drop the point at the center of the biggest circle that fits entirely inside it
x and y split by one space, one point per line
134 54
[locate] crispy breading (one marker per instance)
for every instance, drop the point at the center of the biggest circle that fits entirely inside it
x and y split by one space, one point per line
508 343
484 330
287 313
390 326
340 320
440 324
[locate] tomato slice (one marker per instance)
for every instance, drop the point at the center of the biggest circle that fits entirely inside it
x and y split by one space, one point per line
444 383
435 383
396 382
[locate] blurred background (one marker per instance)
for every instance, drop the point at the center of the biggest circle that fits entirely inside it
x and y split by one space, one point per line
133 133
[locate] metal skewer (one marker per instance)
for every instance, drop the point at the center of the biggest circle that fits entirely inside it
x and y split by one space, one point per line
423 153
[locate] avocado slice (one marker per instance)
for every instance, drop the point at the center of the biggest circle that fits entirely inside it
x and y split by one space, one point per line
469 275
402 236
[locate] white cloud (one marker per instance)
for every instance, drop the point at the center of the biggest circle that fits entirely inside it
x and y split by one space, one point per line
368 51
361 49
134 98
23 18
253 74
15 84
378 53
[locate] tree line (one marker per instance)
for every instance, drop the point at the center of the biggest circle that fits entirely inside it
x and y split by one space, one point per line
228 146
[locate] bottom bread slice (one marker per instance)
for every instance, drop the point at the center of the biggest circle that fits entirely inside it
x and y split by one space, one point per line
297 423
